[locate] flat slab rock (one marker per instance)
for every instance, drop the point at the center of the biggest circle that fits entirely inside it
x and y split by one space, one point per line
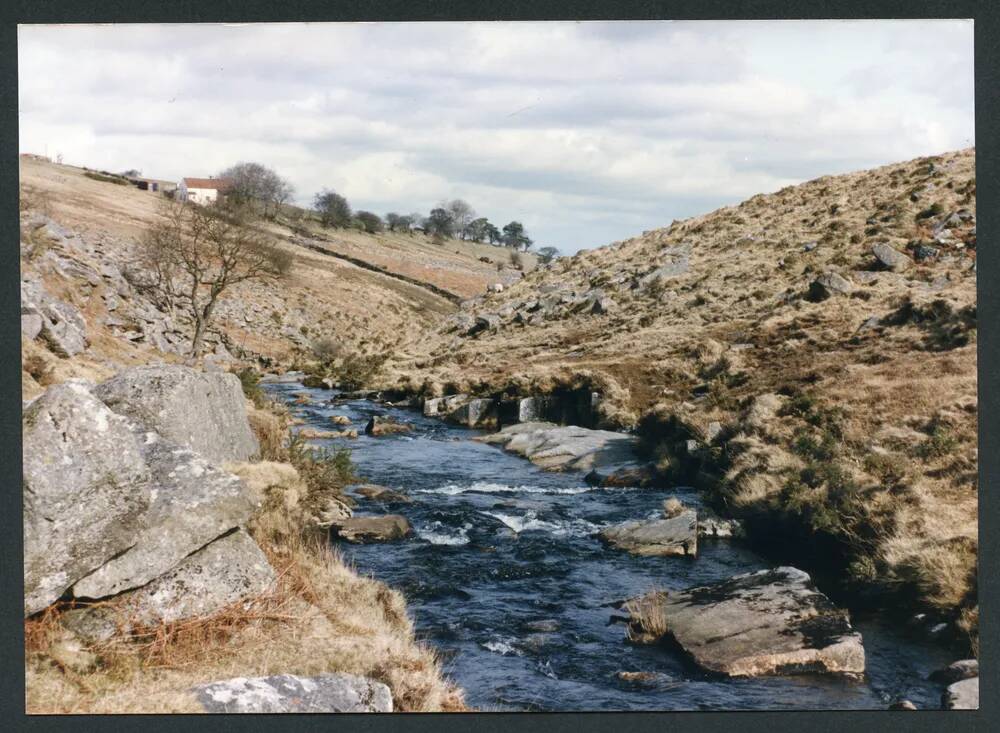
675 536
287 693
765 623
568 447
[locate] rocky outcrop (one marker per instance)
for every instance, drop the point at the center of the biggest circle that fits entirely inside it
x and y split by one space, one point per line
962 695
60 324
676 535
764 623
194 502
161 399
287 693
383 528
560 448
86 490
475 413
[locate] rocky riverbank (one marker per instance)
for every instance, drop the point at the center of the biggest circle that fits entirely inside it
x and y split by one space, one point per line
156 540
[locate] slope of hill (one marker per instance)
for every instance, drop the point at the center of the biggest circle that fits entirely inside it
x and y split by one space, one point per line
816 344
78 241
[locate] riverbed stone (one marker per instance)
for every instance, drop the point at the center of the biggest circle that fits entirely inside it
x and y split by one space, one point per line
568 447
384 528
193 503
379 425
382 495
962 695
765 623
287 693
162 398
86 490
677 535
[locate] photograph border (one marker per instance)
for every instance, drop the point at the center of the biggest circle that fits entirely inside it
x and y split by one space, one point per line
987 111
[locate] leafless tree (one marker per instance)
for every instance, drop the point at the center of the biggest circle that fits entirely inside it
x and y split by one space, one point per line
194 254
257 184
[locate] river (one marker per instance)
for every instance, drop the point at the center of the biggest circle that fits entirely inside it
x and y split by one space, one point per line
506 580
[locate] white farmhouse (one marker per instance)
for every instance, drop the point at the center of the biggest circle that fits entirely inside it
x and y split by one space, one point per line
202 190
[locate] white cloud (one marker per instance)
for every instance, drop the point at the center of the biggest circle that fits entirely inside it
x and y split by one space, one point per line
587 132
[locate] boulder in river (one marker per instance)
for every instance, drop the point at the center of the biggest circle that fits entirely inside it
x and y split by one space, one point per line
203 411
963 669
378 425
568 447
765 623
382 494
677 535
287 693
382 528
475 413
962 695
86 490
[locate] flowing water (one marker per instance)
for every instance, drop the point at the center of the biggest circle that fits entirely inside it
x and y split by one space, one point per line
506 580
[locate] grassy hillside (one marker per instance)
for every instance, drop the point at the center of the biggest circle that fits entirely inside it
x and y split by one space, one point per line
324 297
831 396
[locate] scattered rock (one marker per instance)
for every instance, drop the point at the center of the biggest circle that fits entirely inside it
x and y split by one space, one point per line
962 695
829 284
286 693
383 528
63 327
764 623
160 398
340 419
31 326
902 705
675 536
710 525
86 490
891 259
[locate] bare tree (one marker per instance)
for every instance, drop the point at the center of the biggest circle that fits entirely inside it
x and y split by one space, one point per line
461 215
257 184
194 254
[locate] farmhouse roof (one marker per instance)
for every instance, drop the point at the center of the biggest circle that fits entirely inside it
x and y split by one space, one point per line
219 184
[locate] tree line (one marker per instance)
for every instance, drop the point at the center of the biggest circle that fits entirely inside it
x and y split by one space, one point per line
258 187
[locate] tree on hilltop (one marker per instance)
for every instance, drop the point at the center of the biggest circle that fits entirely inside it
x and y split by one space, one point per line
333 209
253 184
547 254
515 237
369 221
440 223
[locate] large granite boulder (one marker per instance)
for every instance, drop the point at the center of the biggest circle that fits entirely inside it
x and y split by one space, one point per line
670 536
764 623
568 447
962 695
287 693
203 411
475 413
86 490
194 502
230 569
963 669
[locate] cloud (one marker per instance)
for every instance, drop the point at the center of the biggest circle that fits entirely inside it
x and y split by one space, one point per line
587 132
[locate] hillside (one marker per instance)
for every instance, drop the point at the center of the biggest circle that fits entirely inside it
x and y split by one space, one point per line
79 237
817 345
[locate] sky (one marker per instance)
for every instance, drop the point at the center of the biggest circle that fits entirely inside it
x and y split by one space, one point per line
588 133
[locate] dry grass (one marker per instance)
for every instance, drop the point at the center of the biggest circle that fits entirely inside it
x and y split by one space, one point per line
648 620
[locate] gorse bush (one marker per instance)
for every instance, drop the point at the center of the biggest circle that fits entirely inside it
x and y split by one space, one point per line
250 381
